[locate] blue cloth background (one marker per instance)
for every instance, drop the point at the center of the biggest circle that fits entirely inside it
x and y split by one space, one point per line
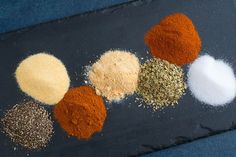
221 145
15 14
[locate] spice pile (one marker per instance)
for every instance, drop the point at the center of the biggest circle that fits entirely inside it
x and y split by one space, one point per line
212 81
174 39
44 77
115 74
28 125
160 83
81 112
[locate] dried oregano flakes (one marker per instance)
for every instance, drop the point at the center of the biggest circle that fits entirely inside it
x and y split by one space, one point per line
160 83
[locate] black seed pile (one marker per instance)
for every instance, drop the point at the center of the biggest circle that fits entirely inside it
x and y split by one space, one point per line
28 125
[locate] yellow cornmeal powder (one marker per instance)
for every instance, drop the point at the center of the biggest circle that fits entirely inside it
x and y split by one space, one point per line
115 74
43 77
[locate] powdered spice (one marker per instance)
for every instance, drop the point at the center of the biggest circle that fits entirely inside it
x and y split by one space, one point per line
81 112
115 74
43 77
174 39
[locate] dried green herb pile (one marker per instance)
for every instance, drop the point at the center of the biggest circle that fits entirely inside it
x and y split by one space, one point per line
28 125
160 83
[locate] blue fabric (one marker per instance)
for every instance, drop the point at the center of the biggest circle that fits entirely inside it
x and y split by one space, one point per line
222 145
15 14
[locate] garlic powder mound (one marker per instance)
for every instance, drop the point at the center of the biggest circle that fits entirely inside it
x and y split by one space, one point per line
115 74
43 77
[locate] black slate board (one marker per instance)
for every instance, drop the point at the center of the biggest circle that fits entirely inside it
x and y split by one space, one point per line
129 130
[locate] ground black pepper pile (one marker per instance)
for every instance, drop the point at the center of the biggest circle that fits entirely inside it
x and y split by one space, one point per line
28 125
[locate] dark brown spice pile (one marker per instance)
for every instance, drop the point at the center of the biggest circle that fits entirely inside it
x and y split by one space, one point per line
28 125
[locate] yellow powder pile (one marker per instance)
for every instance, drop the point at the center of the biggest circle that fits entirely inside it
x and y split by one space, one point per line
43 77
115 74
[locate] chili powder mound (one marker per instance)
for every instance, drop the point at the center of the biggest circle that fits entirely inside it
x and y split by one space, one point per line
174 39
81 112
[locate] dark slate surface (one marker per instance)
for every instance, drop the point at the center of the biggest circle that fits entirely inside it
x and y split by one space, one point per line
129 130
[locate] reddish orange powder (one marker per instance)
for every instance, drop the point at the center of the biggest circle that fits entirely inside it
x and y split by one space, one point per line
81 112
174 39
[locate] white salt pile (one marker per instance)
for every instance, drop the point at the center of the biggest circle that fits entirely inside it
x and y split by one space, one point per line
43 77
212 81
115 74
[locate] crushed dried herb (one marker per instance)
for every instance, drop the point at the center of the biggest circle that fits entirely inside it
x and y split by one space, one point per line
160 83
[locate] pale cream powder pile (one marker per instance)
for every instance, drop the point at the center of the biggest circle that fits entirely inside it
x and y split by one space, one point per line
43 77
115 74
